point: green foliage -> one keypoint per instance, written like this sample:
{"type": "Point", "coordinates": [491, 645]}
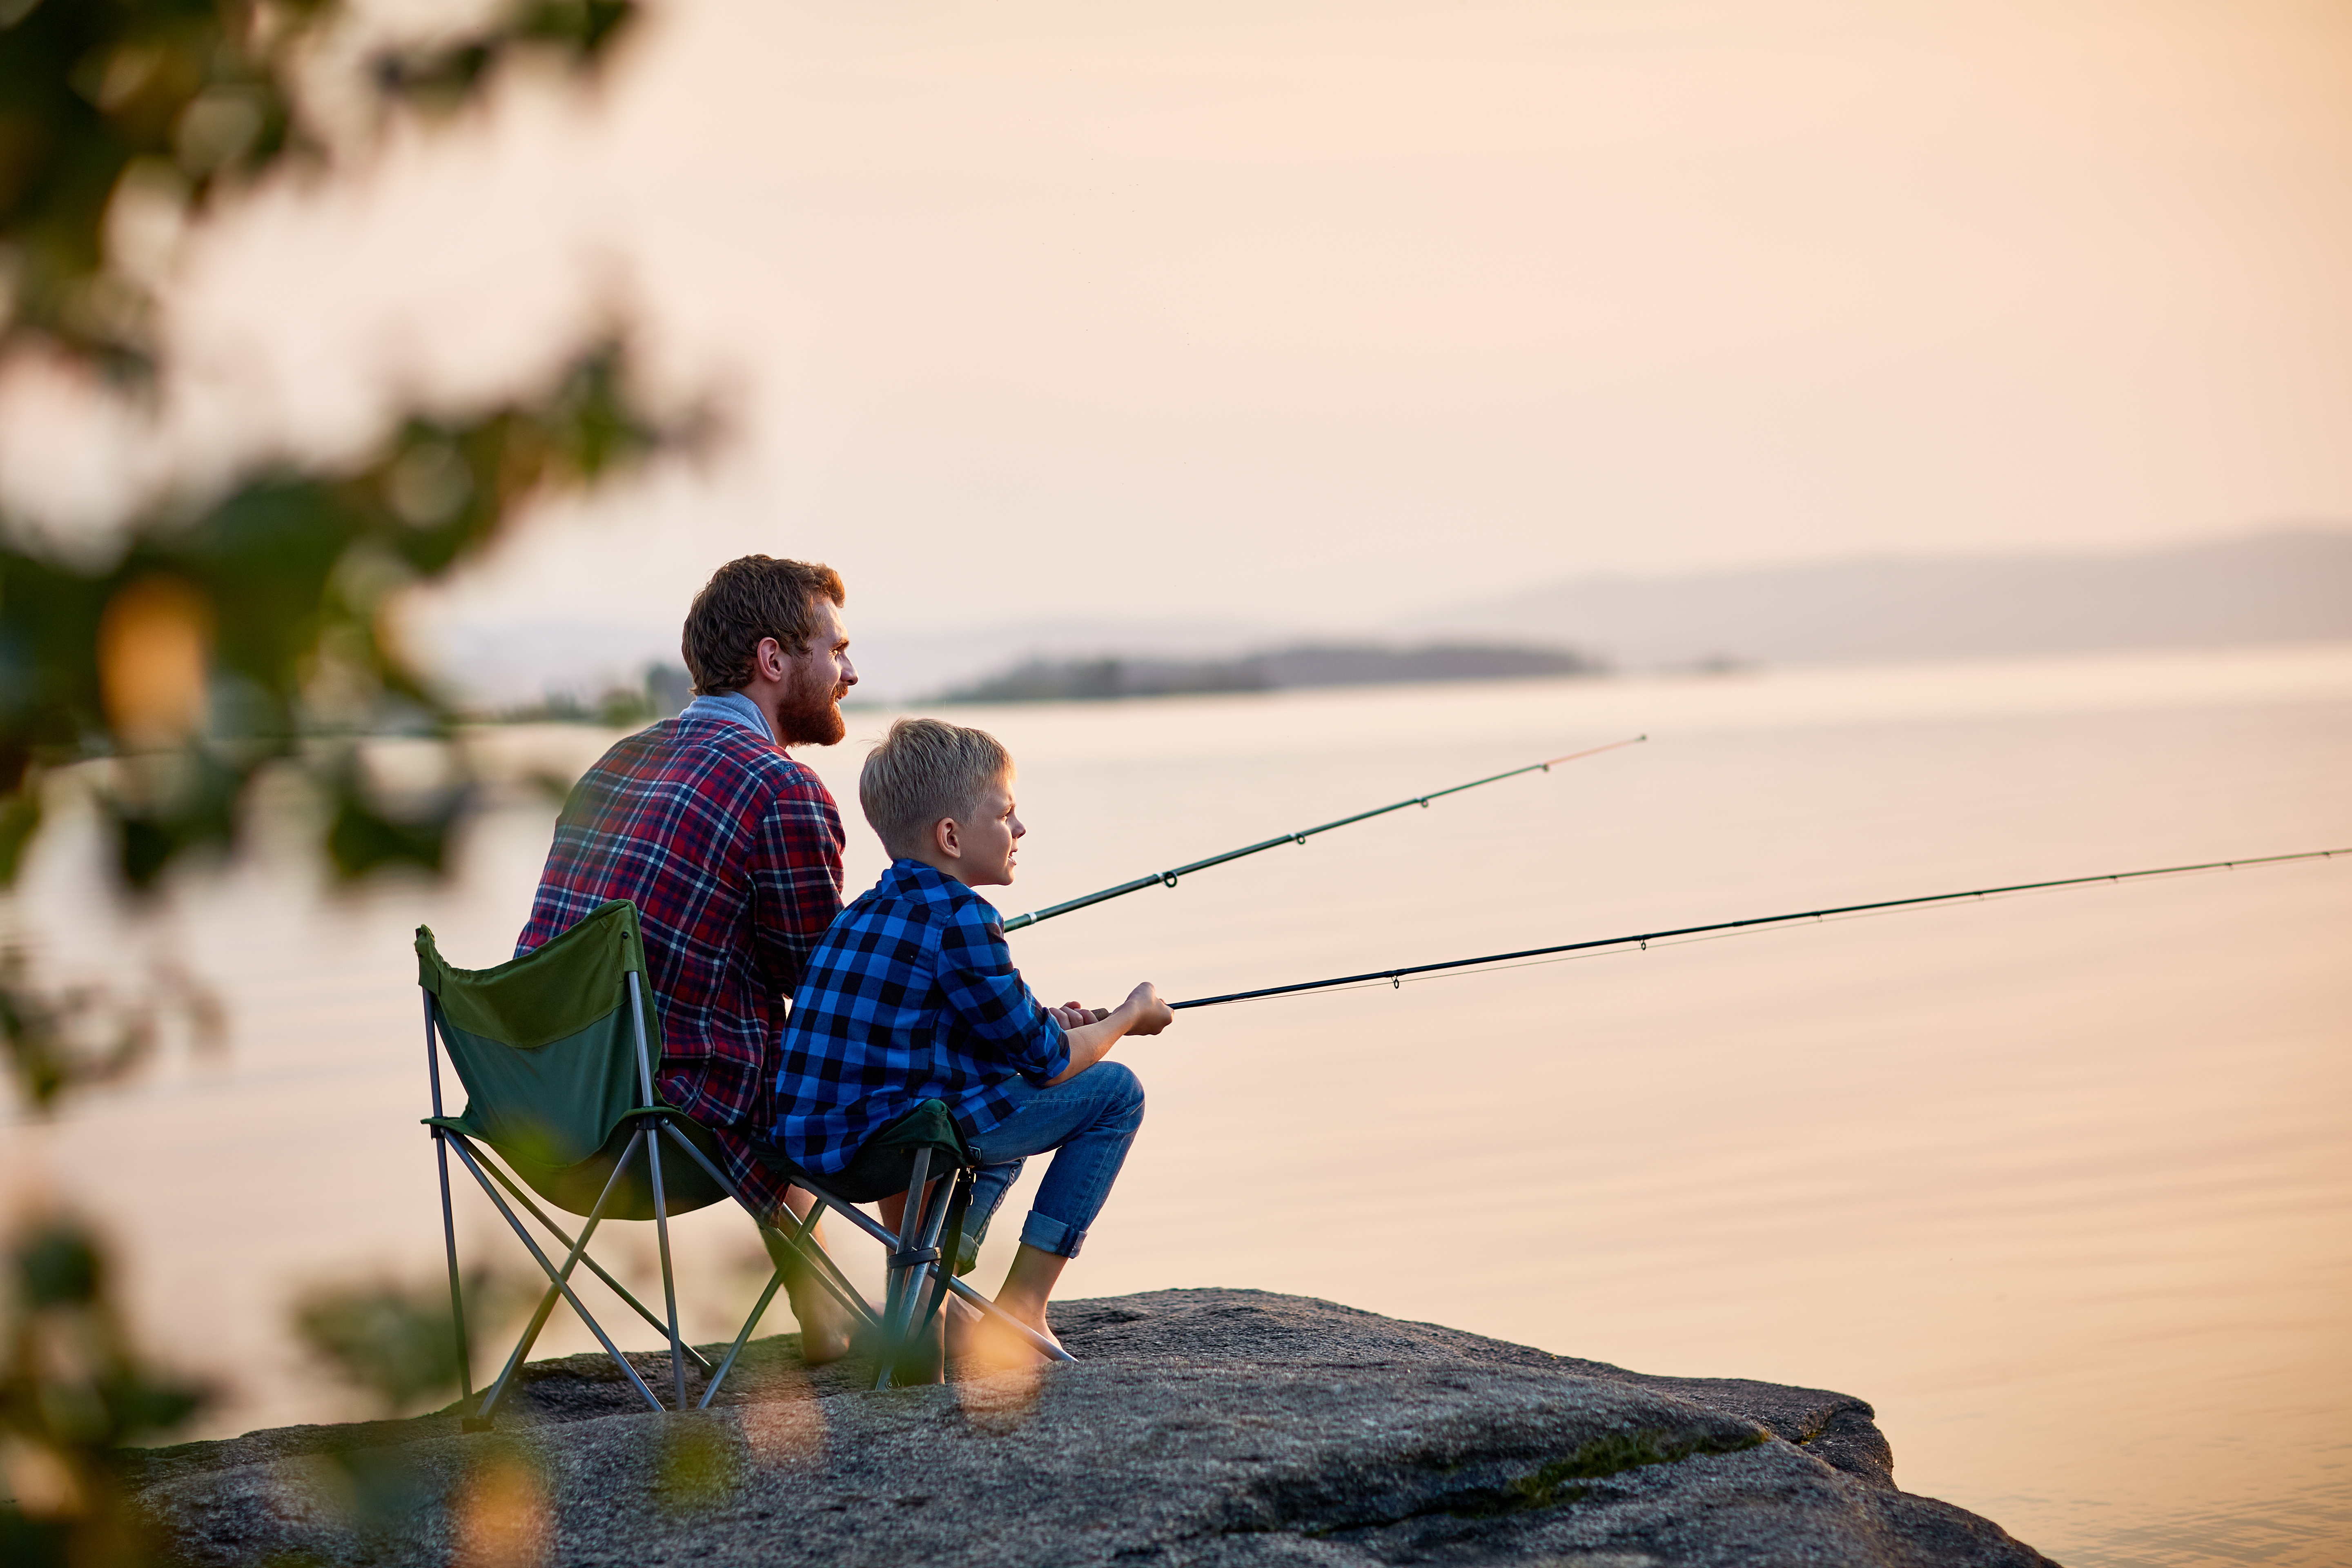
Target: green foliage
{"type": "Point", "coordinates": [228, 637]}
{"type": "Point", "coordinates": [442, 78]}
{"type": "Point", "coordinates": [395, 1341]}
{"type": "Point", "coordinates": [63, 1040]}
{"type": "Point", "coordinates": [1607, 1455]}
{"type": "Point", "coordinates": [697, 1463]}
{"type": "Point", "coordinates": [171, 101]}
{"type": "Point", "coordinates": [281, 590]}
{"type": "Point", "coordinates": [71, 1389]}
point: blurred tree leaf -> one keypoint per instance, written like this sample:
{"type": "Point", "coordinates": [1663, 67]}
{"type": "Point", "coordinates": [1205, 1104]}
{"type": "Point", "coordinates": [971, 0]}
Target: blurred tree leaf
{"type": "Point", "coordinates": [71, 1390]}
{"type": "Point", "coordinates": [232, 637]}
{"type": "Point", "coordinates": [105, 104]}
{"type": "Point", "coordinates": [259, 630]}
{"type": "Point", "coordinates": [394, 1341]}
{"type": "Point", "coordinates": [60, 1041]}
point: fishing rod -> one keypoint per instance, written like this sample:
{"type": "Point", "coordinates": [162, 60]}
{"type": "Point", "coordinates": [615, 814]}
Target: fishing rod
{"type": "Point", "coordinates": [1644, 938]}
{"type": "Point", "coordinates": [1168, 878]}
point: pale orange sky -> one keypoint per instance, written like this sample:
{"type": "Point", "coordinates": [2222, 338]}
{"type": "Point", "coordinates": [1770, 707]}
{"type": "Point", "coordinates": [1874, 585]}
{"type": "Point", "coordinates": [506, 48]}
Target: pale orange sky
{"type": "Point", "coordinates": [1314, 312]}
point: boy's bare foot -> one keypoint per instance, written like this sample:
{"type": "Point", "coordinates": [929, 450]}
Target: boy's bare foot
{"type": "Point", "coordinates": [1028, 1285]}
{"type": "Point", "coordinates": [980, 1343]}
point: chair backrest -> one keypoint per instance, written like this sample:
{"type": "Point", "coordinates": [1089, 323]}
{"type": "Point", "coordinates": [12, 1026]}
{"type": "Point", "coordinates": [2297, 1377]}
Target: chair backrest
{"type": "Point", "coordinates": [546, 1045]}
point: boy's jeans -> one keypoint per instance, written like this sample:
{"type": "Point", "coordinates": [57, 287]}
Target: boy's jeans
{"type": "Point", "coordinates": [1087, 1121]}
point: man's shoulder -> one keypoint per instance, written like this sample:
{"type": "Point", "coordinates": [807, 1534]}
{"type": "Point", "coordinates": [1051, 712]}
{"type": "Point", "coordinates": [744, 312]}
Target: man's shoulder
{"type": "Point", "coordinates": [713, 754]}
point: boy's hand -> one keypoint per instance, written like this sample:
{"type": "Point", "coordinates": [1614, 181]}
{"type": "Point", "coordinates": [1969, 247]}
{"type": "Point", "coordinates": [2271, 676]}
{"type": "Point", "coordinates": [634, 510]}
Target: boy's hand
{"type": "Point", "coordinates": [1092, 1032]}
{"type": "Point", "coordinates": [1152, 1015]}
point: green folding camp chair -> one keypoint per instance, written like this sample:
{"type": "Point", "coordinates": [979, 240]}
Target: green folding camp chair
{"type": "Point", "coordinates": [556, 1051]}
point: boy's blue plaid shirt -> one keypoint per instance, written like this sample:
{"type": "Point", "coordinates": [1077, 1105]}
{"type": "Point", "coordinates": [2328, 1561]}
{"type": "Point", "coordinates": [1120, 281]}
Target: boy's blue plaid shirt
{"type": "Point", "coordinates": [911, 996]}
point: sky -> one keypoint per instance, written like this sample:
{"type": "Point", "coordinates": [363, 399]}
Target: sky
{"type": "Point", "coordinates": [1318, 313]}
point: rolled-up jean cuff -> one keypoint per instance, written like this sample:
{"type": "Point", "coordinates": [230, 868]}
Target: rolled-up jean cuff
{"type": "Point", "coordinates": [1048, 1235]}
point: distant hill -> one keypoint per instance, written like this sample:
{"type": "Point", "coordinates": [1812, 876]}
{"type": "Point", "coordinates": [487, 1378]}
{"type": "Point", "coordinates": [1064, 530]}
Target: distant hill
{"type": "Point", "coordinates": [1306, 664]}
{"type": "Point", "coordinates": [2288, 585]}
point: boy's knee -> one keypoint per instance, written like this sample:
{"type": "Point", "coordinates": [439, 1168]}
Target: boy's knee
{"type": "Point", "coordinates": [1122, 1091]}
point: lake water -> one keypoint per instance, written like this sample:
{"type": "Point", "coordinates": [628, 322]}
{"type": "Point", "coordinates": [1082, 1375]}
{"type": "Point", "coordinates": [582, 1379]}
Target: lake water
{"type": "Point", "coordinates": [2061, 1183]}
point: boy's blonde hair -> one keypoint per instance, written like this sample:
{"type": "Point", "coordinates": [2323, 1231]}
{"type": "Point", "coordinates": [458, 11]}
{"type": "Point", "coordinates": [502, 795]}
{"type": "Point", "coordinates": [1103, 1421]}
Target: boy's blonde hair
{"type": "Point", "coordinates": [923, 771]}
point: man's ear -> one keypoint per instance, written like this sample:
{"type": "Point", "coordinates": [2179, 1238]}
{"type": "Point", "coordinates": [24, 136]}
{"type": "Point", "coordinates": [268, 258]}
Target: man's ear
{"type": "Point", "coordinates": [769, 658]}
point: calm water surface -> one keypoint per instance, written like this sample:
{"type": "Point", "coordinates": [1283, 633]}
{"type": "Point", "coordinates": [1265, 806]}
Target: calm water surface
{"type": "Point", "coordinates": [2060, 1182]}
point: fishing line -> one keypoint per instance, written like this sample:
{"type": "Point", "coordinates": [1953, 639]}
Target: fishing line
{"type": "Point", "coordinates": [1677, 936]}
{"type": "Point", "coordinates": [1168, 878]}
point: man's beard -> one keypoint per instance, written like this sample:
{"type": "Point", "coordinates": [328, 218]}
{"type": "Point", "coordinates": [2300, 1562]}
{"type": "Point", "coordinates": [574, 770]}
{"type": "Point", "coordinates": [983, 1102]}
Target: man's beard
{"type": "Point", "coordinates": [811, 717]}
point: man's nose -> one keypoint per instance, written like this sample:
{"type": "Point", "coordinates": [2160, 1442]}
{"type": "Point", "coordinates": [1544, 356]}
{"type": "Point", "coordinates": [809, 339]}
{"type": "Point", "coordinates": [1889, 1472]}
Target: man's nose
{"type": "Point", "coordinates": [849, 671]}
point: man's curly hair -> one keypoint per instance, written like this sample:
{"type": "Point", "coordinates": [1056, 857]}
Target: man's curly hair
{"type": "Point", "coordinates": [751, 598]}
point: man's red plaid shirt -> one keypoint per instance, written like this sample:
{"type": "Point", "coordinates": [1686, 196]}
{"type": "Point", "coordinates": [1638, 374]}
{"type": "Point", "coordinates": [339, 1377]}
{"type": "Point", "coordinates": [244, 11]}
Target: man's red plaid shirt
{"type": "Point", "coordinates": [731, 852]}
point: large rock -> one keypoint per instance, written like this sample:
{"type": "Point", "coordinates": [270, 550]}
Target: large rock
{"type": "Point", "coordinates": [1211, 1428]}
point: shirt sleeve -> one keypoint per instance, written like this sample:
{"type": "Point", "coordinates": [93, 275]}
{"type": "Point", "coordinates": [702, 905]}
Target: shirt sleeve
{"type": "Point", "coordinates": [992, 1004]}
{"type": "Point", "coordinates": [795, 880]}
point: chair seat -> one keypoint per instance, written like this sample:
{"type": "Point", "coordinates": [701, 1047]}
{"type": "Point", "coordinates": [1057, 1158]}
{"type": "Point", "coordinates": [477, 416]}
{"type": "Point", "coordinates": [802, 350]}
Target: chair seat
{"type": "Point", "coordinates": [575, 1188]}
{"type": "Point", "coordinates": [885, 1163]}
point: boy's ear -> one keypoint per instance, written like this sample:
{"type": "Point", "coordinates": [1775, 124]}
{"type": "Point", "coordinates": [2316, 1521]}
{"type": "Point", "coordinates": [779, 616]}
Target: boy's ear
{"type": "Point", "coordinates": [945, 838]}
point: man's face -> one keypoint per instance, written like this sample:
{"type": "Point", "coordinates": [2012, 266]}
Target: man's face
{"type": "Point", "coordinates": [816, 680]}
{"type": "Point", "coordinates": [988, 842]}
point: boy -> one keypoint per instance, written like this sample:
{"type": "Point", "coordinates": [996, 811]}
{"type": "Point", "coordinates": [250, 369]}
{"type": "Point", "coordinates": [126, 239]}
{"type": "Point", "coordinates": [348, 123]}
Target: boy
{"type": "Point", "coordinates": [912, 996]}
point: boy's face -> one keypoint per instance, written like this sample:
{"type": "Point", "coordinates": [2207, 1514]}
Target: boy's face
{"type": "Point", "coordinates": [981, 853]}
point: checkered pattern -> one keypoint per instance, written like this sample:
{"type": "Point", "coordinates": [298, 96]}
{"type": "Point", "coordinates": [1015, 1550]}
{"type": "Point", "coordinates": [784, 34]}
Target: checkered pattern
{"type": "Point", "coordinates": [911, 996]}
{"type": "Point", "coordinates": [731, 852]}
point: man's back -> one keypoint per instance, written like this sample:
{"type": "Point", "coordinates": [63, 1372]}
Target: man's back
{"type": "Point", "coordinates": [731, 852]}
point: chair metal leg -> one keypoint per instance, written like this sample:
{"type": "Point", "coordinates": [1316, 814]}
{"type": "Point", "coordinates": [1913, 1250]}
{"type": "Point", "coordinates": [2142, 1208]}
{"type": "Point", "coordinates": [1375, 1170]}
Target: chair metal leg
{"type": "Point", "coordinates": [661, 1207]}
{"type": "Point", "coordinates": [946, 1238]}
{"type": "Point", "coordinates": [882, 1233]}
{"type": "Point", "coordinates": [669, 1285]}
{"type": "Point", "coordinates": [547, 1267]}
{"type": "Point", "coordinates": [483, 1412]}
{"type": "Point", "coordinates": [828, 1273]}
{"type": "Point", "coordinates": [873, 1227]}
{"type": "Point", "coordinates": [727, 1362]}
{"type": "Point", "coordinates": [457, 1288]}
{"type": "Point", "coordinates": [898, 1309]}
{"type": "Point", "coordinates": [565, 1238]}
{"type": "Point", "coordinates": [449, 1219]}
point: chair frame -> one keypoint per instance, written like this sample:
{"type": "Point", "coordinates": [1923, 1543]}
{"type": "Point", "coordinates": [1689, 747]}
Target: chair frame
{"type": "Point", "coordinates": [915, 1255]}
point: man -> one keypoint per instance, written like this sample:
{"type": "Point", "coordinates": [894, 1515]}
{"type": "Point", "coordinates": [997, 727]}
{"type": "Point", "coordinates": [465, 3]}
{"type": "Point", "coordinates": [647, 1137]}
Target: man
{"type": "Point", "coordinates": [731, 852]}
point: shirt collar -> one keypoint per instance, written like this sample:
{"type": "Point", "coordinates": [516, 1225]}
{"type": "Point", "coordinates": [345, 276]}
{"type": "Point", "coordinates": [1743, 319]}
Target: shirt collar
{"type": "Point", "coordinates": [733, 707]}
{"type": "Point", "coordinates": [908, 875]}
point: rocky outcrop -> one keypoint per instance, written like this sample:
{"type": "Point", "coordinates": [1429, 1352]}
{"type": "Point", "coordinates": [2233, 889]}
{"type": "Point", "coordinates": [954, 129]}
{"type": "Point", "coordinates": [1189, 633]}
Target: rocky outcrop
{"type": "Point", "coordinates": [1200, 1428]}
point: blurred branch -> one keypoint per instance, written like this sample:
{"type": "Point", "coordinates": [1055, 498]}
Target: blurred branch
{"type": "Point", "coordinates": [259, 632]}
{"type": "Point", "coordinates": [234, 637]}
{"type": "Point", "coordinates": [442, 77]}
{"type": "Point", "coordinates": [71, 1390]}
{"type": "Point", "coordinates": [135, 114]}
{"type": "Point", "coordinates": [83, 1035]}
{"type": "Point", "coordinates": [394, 1341]}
